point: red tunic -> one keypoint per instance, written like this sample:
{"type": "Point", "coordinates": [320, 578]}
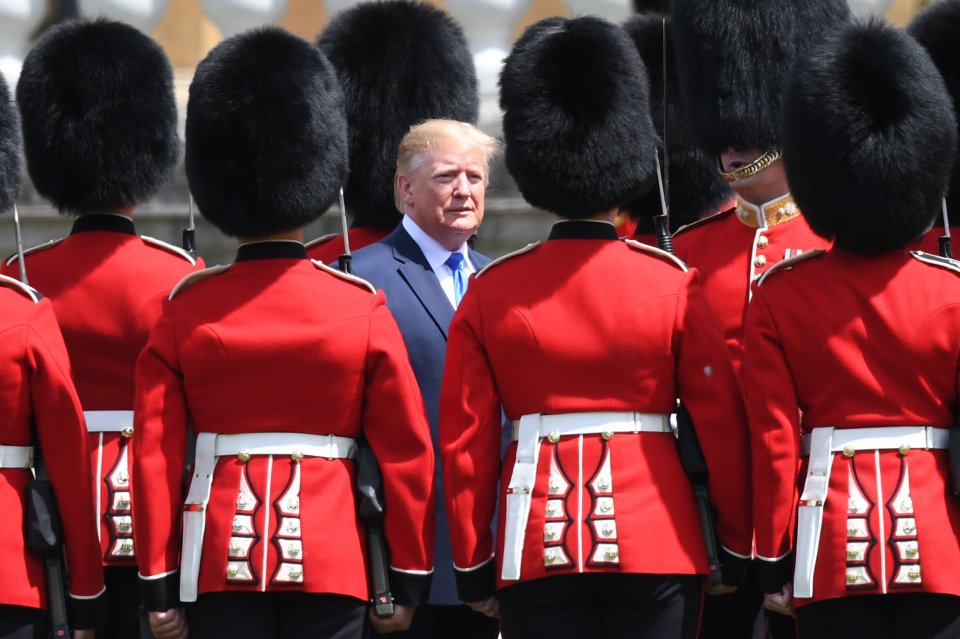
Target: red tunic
{"type": "Point", "coordinates": [106, 284]}
{"type": "Point", "coordinates": [732, 250]}
{"type": "Point", "coordinates": [543, 332]}
{"type": "Point", "coordinates": [329, 247]}
{"type": "Point", "coordinates": [850, 342]}
{"type": "Point", "coordinates": [37, 388]}
{"type": "Point", "coordinates": [276, 343]}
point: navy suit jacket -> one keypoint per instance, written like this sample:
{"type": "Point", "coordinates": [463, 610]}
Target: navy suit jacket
{"type": "Point", "coordinates": [423, 312]}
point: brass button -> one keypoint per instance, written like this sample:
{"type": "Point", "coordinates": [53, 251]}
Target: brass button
{"type": "Point", "coordinates": [553, 437]}
{"type": "Point", "coordinates": [235, 549]}
{"type": "Point", "coordinates": [232, 573]}
{"type": "Point", "coordinates": [762, 241]}
{"type": "Point", "coordinates": [760, 260]}
{"type": "Point", "coordinates": [914, 574]}
{"type": "Point", "coordinates": [848, 451]}
{"type": "Point", "coordinates": [296, 456]}
{"type": "Point", "coordinates": [296, 575]}
{"type": "Point", "coordinates": [853, 507]}
{"type": "Point", "coordinates": [606, 507]}
{"type": "Point", "coordinates": [852, 554]}
{"type": "Point", "coordinates": [122, 478]}
{"type": "Point", "coordinates": [123, 503]}
{"type": "Point", "coordinates": [126, 546]}
{"type": "Point", "coordinates": [549, 535]}
{"type": "Point", "coordinates": [852, 578]}
{"type": "Point", "coordinates": [906, 504]}
{"type": "Point", "coordinates": [293, 526]}
{"type": "Point", "coordinates": [237, 526]}
{"type": "Point", "coordinates": [607, 530]}
{"type": "Point", "coordinates": [904, 449]}
{"type": "Point", "coordinates": [124, 526]}
{"type": "Point", "coordinates": [293, 503]}
{"type": "Point", "coordinates": [551, 557]}
{"type": "Point", "coordinates": [611, 555]}
{"type": "Point", "coordinates": [294, 552]}
{"type": "Point", "coordinates": [126, 433]}
{"type": "Point", "coordinates": [607, 435]}
{"type": "Point", "coordinates": [551, 510]}
{"type": "Point", "coordinates": [603, 483]}
{"type": "Point", "coordinates": [909, 529]}
{"type": "Point", "coordinates": [852, 530]}
{"type": "Point", "coordinates": [554, 487]}
{"type": "Point", "coordinates": [243, 456]}
{"type": "Point", "coordinates": [241, 502]}
{"type": "Point", "coordinates": [912, 552]}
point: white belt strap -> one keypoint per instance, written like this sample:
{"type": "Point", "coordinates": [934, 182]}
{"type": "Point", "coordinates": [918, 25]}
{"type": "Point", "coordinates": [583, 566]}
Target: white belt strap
{"type": "Point", "coordinates": [528, 433]}
{"type": "Point", "coordinates": [16, 457]}
{"type": "Point", "coordinates": [108, 421]}
{"type": "Point", "coordinates": [810, 511]}
{"type": "Point", "coordinates": [209, 447]}
{"type": "Point", "coordinates": [884, 438]}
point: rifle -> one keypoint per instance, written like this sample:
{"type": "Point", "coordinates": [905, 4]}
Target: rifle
{"type": "Point", "coordinates": [43, 532]}
{"type": "Point", "coordinates": [692, 461]}
{"type": "Point", "coordinates": [370, 488]}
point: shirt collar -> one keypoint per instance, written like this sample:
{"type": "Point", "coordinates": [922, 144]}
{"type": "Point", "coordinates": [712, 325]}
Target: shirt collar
{"type": "Point", "coordinates": [271, 250]}
{"type": "Point", "coordinates": [782, 209]}
{"type": "Point", "coordinates": [103, 222]}
{"type": "Point", "coordinates": [435, 253]}
{"type": "Point", "coordinates": [583, 230]}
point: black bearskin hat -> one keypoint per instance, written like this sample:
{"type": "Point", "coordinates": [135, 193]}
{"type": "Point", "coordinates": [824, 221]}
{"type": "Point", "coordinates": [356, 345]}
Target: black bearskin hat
{"type": "Point", "coordinates": [937, 28]}
{"type": "Point", "coordinates": [99, 115]}
{"type": "Point", "coordinates": [733, 58]}
{"type": "Point", "coordinates": [577, 117]}
{"type": "Point", "coordinates": [869, 138]}
{"type": "Point", "coordinates": [658, 6]}
{"type": "Point", "coordinates": [695, 186]}
{"type": "Point", "coordinates": [9, 150]}
{"type": "Point", "coordinates": [266, 134]}
{"type": "Point", "coordinates": [399, 63]}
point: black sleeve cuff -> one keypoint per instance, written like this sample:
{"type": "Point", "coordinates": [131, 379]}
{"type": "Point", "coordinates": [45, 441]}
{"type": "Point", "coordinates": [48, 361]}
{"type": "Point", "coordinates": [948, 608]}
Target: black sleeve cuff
{"type": "Point", "coordinates": [86, 613]}
{"type": "Point", "coordinates": [477, 584]}
{"type": "Point", "coordinates": [409, 589]}
{"type": "Point", "coordinates": [161, 593]}
{"type": "Point", "coordinates": [733, 567]}
{"type": "Point", "coordinates": [771, 575]}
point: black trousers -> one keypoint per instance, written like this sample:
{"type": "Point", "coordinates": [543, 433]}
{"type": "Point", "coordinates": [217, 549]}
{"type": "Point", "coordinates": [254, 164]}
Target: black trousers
{"type": "Point", "coordinates": [276, 615]}
{"type": "Point", "coordinates": [891, 616]}
{"type": "Point", "coordinates": [124, 618]}
{"type": "Point", "coordinates": [603, 606]}
{"type": "Point", "coordinates": [440, 622]}
{"type": "Point", "coordinates": [19, 622]}
{"type": "Point", "coordinates": [735, 616]}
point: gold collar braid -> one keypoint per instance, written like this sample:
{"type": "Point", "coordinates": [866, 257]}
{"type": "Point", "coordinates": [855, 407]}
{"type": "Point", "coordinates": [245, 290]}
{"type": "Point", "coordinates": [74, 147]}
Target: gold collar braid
{"type": "Point", "coordinates": [753, 168]}
{"type": "Point", "coordinates": [783, 209]}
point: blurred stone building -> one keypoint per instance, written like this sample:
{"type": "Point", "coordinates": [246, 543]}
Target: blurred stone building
{"type": "Point", "coordinates": [188, 29]}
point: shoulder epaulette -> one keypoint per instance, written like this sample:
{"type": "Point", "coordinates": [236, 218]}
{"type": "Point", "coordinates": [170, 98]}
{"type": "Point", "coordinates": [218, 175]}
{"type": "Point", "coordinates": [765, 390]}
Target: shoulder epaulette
{"type": "Point", "coordinates": [789, 263]}
{"type": "Point", "coordinates": [353, 279]}
{"type": "Point", "coordinates": [34, 249]}
{"type": "Point", "coordinates": [17, 285]}
{"type": "Point", "coordinates": [937, 260]}
{"type": "Point", "coordinates": [169, 248]}
{"type": "Point", "coordinates": [702, 221]}
{"type": "Point", "coordinates": [323, 239]}
{"type": "Point", "coordinates": [197, 276]}
{"type": "Point", "coordinates": [654, 251]}
{"type": "Point", "coordinates": [504, 258]}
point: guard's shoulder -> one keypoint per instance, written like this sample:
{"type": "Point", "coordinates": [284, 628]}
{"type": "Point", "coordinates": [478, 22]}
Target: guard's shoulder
{"type": "Point", "coordinates": [323, 239]}
{"type": "Point", "coordinates": [197, 276]}
{"type": "Point", "coordinates": [17, 285]}
{"type": "Point", "coordinates": [790, 263]}
{"type": "Point", "coordinates": [704, 221]}
{"type": "Point", "coordinates": [936, 260]}
{"type": "Point", "coordinates": [501, 260]}
{"type": "Point", "coordinates": [658, 253]}
{"type": "Point", "coordinates": [353, 279]}
{"type": "Point", "coordinates": [34, 249]}
{"type": "Point", "coordinates": [169, 248]}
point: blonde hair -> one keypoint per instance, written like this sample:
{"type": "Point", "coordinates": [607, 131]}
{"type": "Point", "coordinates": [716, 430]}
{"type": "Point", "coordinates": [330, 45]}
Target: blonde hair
{"type": "Point", "coordinates": [423, 138]}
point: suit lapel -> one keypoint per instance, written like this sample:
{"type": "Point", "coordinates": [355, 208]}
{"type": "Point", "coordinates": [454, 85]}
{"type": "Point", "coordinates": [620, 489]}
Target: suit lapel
{"type": "Point", "coordinates": [416, 272]}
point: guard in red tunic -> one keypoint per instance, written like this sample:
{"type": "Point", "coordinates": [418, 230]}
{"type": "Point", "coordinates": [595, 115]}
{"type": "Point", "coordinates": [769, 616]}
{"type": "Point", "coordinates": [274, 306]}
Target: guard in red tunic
{"type": "Point", "coordinates": [586, 342]}
{"type": "Point", "coordinates": [39, 408]}
{"type": "Point", "coordinates": [693, 188]}
{"type": "Point", "coordinates": [100, 135]}
{"type": "Point", "coordinates": [399, 63]}
{"type": "Point", "coordinates": [732, 58]}
{"type": "Point", "coordinates": [851, 354]}
{"type": "Point", "coordinates": [277, 364]}
{"type": "Point", "coordinates": [936, 28]}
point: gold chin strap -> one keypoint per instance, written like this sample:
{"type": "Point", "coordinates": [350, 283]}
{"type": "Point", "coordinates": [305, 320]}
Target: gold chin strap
{"type": "Point", "coordinates": [753, 168]}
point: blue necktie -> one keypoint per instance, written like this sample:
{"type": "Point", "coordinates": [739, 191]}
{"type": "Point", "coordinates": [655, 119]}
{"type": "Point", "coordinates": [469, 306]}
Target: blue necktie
{"type": "Point", "coordinates": [457, 265]}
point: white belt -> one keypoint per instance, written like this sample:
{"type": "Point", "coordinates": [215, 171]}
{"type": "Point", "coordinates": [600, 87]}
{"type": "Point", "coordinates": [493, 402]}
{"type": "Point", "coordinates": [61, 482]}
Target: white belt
{"type": "Point", "coordinates": [820, 445]}
{"type": "Point", "coordinates": [209, 447]}
{"type": "Point", "coordinates": [528, 432]}
{"type": "Point", "coordinates": [108, 421]}
{"type": "Point", "coordinates": [16, 457]}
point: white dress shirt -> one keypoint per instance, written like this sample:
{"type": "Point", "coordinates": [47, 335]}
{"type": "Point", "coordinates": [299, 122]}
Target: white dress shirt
{"type": "Point", "coordinates": [437, 256]}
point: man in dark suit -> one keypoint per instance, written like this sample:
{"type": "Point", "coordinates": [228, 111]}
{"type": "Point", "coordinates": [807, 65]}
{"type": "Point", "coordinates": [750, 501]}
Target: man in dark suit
{"type": "Point", "coordinates": [423, 267]}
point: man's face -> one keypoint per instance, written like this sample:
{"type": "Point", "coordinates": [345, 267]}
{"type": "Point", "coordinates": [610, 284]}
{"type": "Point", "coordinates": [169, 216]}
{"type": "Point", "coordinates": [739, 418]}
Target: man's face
{"type": "Point", "coordinates": [444, 192]}
{"type": "Point", "coordinates": [761, 187]}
